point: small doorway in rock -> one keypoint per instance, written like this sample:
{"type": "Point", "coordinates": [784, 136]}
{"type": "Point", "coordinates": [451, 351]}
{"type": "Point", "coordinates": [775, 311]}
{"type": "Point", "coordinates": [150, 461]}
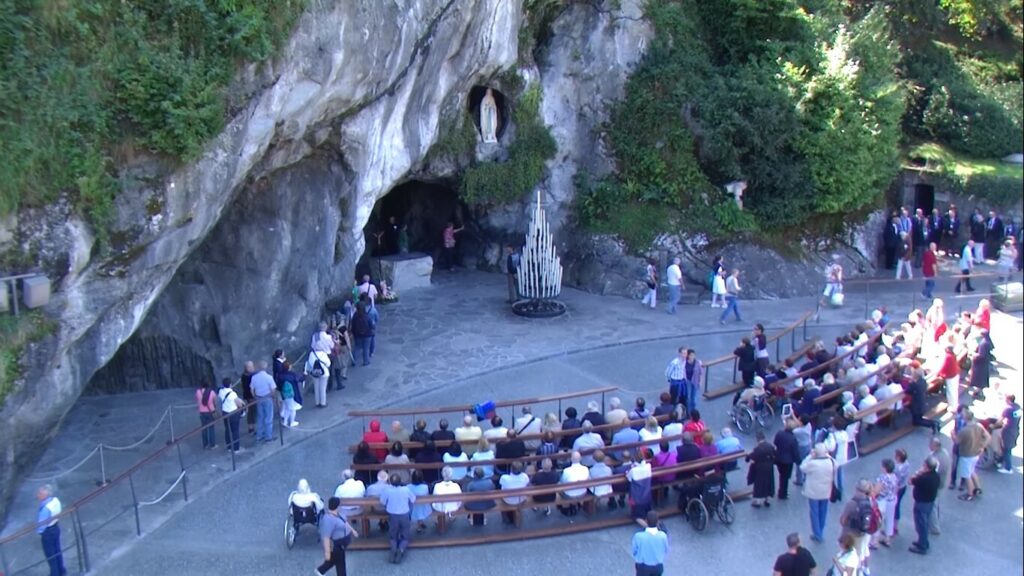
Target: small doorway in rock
{"type": "Point", "coordinates": [412, 217]}
{"type": "Point", "coordinates": [924, 197]}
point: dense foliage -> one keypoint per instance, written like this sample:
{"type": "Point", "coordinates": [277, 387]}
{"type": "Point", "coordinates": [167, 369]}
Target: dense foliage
{"type": "Point", "coordinates": [808, 101]}
{"type": "Point", "coordinates": [82, 79]}
{"type": "Point", "coordinates": [803, 106]}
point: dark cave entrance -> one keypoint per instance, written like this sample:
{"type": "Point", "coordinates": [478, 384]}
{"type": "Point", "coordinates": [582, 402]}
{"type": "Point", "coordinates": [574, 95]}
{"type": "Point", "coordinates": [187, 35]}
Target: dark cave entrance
{"type": "Point", "coordinates": [423, 209]}
{"type": "Point", "coordinates": [147, 363]}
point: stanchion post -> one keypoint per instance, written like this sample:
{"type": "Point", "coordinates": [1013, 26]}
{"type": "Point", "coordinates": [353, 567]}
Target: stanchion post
{"type": "Point", "coordinates": [184, 485]}
{"type": "Point", "coordinates": [84, 553]}
{"type": "Point", "coordinates": [280, 424]}
{"type": "Point", "coordinates": [103, 468]}
{"type": "Point", "coordinates": [170, 420]}
{"type": "Point", "coordinates": [735, 367]}
{"type": "Point", "coordinates": [707, 371]}
{"type": "Point", "coordinates": [135, 504]}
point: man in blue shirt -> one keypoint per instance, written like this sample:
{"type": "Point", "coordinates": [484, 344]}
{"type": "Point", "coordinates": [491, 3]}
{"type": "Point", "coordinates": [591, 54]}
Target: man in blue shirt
{"type": "Point", "coordinates": [397, 500]}
{"type": "Point", "coordinates": [263, 387]}
{"type": "Point", "coordinates": [650, 546]}
{"type": "Point", "coordinates": [49, 529]}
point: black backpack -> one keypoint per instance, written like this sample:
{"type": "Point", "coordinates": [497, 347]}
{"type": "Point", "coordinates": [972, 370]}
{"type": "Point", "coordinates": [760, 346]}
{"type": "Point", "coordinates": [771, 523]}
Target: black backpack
{"type": "Point", "coordinates": [318, 369]}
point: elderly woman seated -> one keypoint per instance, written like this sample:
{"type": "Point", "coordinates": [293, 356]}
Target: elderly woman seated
{"type": "Point", "coordinates": [445, 487]}
{"type": "Point", "coordinates": [305, 504]}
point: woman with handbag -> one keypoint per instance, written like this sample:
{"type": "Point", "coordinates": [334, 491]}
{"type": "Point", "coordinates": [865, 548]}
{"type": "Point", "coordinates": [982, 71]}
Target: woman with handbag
{"type": "Point", "coordinates": [846, 562]}
{"type": "Point", "coordinates": [819, 471]}
{"type": "Point", "coordinates": [651, 280]}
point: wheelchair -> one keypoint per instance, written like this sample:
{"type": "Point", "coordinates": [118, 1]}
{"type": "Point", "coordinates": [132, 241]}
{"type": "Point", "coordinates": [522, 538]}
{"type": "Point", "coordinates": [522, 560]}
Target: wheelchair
{"type": "Point", "coordinates": [745, 414]}
{"type": "Point", "coordinates": [297, 516]}
{"type": "Point", "coordinates": [708, 497]}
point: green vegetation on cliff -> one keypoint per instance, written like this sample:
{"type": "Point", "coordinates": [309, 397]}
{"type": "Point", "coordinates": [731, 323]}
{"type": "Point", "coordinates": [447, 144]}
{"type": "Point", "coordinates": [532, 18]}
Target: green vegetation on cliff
{"type": "Point", "coordinates": [82, 81]}
{"type": "Point", "coordinates": [808, 101]}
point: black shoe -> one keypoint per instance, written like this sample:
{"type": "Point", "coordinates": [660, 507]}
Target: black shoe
{"type": "Point", "coordinates": [916, 550]}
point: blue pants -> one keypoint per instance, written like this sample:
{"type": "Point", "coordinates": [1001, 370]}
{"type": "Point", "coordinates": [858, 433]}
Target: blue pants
{"type": "Point", "coordinates": [264, 418]}
{"type": "Point", "coordinates": [209, 434]}
{"type": "Point", "coordinates": [677, 390]}
{"type": "Point", "coordinates": [231, 425]}
{"type": "Point", "coordinates": [691, 394]}
{"type": "Point", "coordinates": [373, 344]}
{"type": "Point", "coordinates": [1007, 459]}
{"type": "Point", "coordinates": [673, 297]}
{"type": "Point", "coordinates": [819, 516]}
{"type": "Point", "coordinates": [363, 346]}
{"type": "Point", "coordinates": [51, 548]}
{"type": "Point", "coordinates": [922, 517]}
{"type": "Point", "coordinates": [731, 304]}
{"type": "Point", "coordinates": [929, 287]}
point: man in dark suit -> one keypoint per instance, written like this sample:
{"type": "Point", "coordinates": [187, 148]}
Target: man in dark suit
{"type": "Point", "coordinates": [890, 241]}
{"type": "Point", "coordinates": [919, 234]}
{"type": "Point", "coordinates": [951, 233]}
{"type": "Point", "coordinates": [994, 234]}
{"type": "Point", "coordinates": [977, 226]}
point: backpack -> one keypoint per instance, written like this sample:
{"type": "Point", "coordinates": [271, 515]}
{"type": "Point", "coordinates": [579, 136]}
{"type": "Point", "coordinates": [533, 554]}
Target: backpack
{"type": "Point", "coordinates": [866, 518]}
{"type": "Point", "coordinates": [317, 370]}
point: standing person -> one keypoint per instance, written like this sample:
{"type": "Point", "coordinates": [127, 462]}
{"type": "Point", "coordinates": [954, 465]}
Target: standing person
{"type": "Point", "coordinates": [890, 241]}
{"type": "Point", "coordinates": [362, 330]}
{"type": "Point", "coordinates": [693, 375]}
{"type": "Point", "coordinates": [650, 547]}
{"type": "Point", "coordinates": [651, 282]}
{"type": "Point", "coordinates": [787, 453]}
{"type": "Point", "coordinates": [929, 266]}
{"type": "Point", "coordinates": [886, 488]}
{"type": "Point", "coordinates": [289, 405]}
{"type": "Point", "coordinates": [942, 457]}
{"type": "Point", "coordinates": [994, 234]}
{"type": "Point", "coordinates": [397, 500]}
{"type": "Point", "coordinates": [919, 236]}
{"type": "Point", "coordinates": [761, 356]}
{"type": "Point", "coordinates": [342, 355]}
{"type": "Point", "coordinates": [761, 472]}
{"type": "Point", "coordinates": [902, 472]}
{"type": "Point", "coordinates": [1009, 431]}
{"type": "Point", "coordinates": [966, 266]}
{"type": "Point", "coordinates": [675, 373]}
{"type": "Point", "coordinates": [855, 520]}
{"type": "Point", "coordinates": [926, 485]}
{"type": "Point", "coordinates": [747, 364]}
{"type": "Point", "coordinates": [205, 399]}
{"type": "Point", "coordinates": [833, 282]}
{"type": "Point", "coordinates": [951, 231]}
{"type": "Point", "coordinates": [1007, 260]}
{"type": "Point", "coordinates": [245, 380]}
{"type": "Point", "coordinates": [949, 374]}
{"type": "Point", "coordinates": [819, 476]}
{"type": "Point", "coordinates": [512, 260]}
{"type": "Point", "coordinates": [977, 227]}
{"type": "Point", "coordinates": [906, 256]}
{"type": "Point", "coordinates": [263, 387]}
{"type": "Point", "coordinates": [837, 442]}
{"type": "Point", "coordinates": [367, 287]}
{"type": "Point", "coordinates": [796, 561]}
{"type": "Point", "coordinates": [718, 289]}
{"type": "Point", "coordinates": [335, 535]}
{"type": "Point", "coordinates": [847, 562]}
{"type": "Point", "coordinates": [971, 442]}
{"type": "Point", "coordinates": [448, 245]}
{"type": "Point", "coordinates": [674, 278]}
{"type": "Point", "coordinates": [732, 294]}
{"type": "Point", "coordinates": [231, 406]}
{"type": "Point", "coordinates": [318, 366]}
{"type": "Point", "coordinates": [49, 529]}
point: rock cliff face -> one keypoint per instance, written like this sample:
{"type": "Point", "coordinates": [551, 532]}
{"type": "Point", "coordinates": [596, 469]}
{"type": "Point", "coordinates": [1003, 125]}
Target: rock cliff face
{"type": "Point", "coordinates": [351, 104]}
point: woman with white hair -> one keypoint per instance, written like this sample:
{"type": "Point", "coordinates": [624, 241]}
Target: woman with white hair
{"type": "Point", "coordinates": [305, 505]}
{"type": "Point", "coordinates": [819, 470]}
{"type": "Point", "coordinates": [444, 487]}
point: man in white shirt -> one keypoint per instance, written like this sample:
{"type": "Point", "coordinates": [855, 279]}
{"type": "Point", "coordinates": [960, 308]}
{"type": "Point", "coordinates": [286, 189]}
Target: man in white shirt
{"type": "Point", "coordinates": [615, 413]}
{"type": "Point", "coordinates": [350, 487]}
{"type": "Point", "coordinates": [369, 289]}
{"type": "Point", "coordinates": [322, 341]}
{"type": "Point", "coordinates": [528, 424]}
{"type": "Point", "coordinates": [446, 486]}
{"type": "Point", "coordinates": [588, 440]}
{"type": "Point", "coordinates": [514, 480]}
{"type": "Point", "coordinates": [576, 472]}
{"type": "Point", "coordinates": [497, 431]}
{"type": "Point", "coordinates": [674, 278]}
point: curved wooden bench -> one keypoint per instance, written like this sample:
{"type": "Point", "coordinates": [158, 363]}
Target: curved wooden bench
{"type": "Point", "coordinates": [370, 513]}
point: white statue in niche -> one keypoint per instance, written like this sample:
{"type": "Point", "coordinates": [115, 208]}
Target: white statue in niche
{"type": "Point", "coordinates": [736, 189]}
{"type": "Point", "coordinates": [489, 118]}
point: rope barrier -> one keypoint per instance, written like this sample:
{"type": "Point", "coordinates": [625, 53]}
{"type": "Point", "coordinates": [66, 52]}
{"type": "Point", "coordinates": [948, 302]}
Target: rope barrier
{"type": "Point", "coordinates": [164, 495]}
{"type": "Point", "coordinates": [65, 472]}
{"type": "Point", "coordinates": [144, 438]}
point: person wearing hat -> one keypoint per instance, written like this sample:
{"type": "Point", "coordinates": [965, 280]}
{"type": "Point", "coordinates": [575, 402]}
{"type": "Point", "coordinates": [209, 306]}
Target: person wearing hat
{"type": "Point", "coordinates": [819, 471]}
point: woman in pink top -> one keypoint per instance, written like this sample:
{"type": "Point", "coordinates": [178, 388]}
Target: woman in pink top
{"type": "Point", "coordinates": [663, 459]}
{"type": "Point", "coordinates": [206, 400]}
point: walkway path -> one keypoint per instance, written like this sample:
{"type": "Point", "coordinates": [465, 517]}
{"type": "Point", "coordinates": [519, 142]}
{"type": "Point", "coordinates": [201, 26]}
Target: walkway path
{"type": "Point", "coordinates": [455, 342]}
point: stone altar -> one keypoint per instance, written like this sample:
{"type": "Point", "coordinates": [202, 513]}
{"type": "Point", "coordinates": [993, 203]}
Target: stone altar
{"type": "Point", "coordinates": [404, 271]}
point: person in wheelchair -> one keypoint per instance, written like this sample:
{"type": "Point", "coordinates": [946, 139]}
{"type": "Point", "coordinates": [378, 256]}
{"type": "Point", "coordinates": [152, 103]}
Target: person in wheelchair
{"type": "Point", "coordinates": [306, 505]}
{"type": "Point", "coordinates": [755, 395]}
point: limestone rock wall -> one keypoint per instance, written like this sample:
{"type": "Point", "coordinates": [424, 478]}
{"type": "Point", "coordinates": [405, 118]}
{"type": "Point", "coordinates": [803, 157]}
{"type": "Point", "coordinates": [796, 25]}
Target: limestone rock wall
{"type": "Point", "coordinates": [358, 90]}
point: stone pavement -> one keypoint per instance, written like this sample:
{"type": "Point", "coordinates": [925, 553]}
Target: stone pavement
{"type": "Point", "coordinates": [453, 343]}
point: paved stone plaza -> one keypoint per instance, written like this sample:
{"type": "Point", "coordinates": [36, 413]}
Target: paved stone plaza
{"type": "Point", "coordinates": [457, 343]}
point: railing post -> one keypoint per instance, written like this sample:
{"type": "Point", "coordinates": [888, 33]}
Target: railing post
{"type": "Point", "coordinates": [805, 330]}
{"type": "Point", "coordinates": [184, 485]}
{"type": "Point", "coordinates": [231, 441]}
{"type": "Point", "coordinates": [707, 371]}
{"type": "Point", "coordinates": [103, 468]}
{"type": "Point", "coordinates": [280, 424]}
{"type": "Point", "coordinates": [135, 504]}
{"type": "Point", "coordinates": [778, 353]}
{"type": "Point", "coordinates": [735, 368]}
{"type": "Point", "coordinates": [84, 557]}
{"type": "Point", "coordinates": [170, 420]}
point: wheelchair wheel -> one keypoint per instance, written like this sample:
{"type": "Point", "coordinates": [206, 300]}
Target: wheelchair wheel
{"type": "Point", "coordinates": [726, 510]}
{"type": "Point", "coordinates": [289, 531]}
{"type": "Point", "coordinates": [743, 418]}
{"type": "Point", "coordinates": [697, 514]}
{"type": "Point", "coordinates": [766, 417]}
